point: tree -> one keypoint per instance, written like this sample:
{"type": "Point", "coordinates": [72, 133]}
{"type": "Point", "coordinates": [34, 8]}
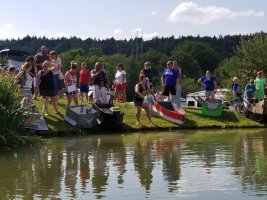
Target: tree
{"type": "Point", "coordinates": [250, 55]}
{"type": "Point", "coordinates": [195, 57]}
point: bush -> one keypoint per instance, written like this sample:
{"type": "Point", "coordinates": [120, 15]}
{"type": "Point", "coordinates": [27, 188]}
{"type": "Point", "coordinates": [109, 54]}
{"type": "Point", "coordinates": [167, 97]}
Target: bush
{"type": "Point", "coordinates": [11, 113]}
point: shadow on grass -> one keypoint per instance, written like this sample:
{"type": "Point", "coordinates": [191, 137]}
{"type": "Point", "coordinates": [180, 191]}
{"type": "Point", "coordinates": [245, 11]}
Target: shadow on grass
{"type": "Point", "coordinates": [227, 116]}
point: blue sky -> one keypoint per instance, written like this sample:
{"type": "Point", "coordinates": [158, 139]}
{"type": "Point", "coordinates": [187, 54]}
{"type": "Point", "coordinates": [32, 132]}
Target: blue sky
{"type": "Point", "coordinates": [125, 19]}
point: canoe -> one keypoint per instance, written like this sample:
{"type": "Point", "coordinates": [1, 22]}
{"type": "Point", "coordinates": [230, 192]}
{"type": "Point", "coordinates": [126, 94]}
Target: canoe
{"type": "Point", "coordinates": [112, 117]}
{"type": "Point", "coordinates": [169, 111]}
{"type": "Point", "coordinates": [212, 107]}
{"type": "Point", "coordinates": [255, 109]}
{"type": "Point", "coordinates": [82, 116]}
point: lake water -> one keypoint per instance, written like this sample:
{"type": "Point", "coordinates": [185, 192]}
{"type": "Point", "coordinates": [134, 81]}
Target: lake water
{"type": "Point", "coordinates": [211, 164]}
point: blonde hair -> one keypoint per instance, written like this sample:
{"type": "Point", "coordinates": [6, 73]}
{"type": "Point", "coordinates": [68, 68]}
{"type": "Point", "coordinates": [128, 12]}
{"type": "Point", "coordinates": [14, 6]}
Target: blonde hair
{"type": "Point", "coordinates": [235, 79]}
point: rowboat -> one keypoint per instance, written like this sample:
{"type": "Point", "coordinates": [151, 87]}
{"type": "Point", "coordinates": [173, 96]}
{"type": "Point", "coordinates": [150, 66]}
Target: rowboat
{"type": "Point", "coordinates": [112, 117]}
{"type": "Point", "coordinates": [212, 107]}
{"type": "Point", "coordinates": [82, 116]}
{"type": "Point", "coordinates": [169, 111]}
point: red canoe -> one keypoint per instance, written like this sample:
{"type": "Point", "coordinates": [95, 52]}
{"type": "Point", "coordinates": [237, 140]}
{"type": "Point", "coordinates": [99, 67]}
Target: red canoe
{"type": "Point", "coordinates": [169, 111]}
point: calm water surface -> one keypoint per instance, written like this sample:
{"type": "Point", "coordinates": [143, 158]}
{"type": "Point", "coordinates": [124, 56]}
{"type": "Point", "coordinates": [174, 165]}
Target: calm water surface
{"type": "Point", "coordinates": [160, 165]}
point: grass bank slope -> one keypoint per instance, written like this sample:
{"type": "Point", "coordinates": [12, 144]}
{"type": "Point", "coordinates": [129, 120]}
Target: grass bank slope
{"type": "Point", "coordinates": [194, 120]}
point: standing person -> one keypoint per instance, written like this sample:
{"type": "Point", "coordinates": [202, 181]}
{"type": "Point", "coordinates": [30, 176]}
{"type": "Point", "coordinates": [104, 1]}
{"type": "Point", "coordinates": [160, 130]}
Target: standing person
{"type": "Point", "coordinates": [210, 85]}
{"type": "Point", "coordinates": [45, 81]}
{"type": "Point", "coordinates": [33, 74]}
{"type": "Point", "coordinates": [140, 91]}
{"type": "Point", "coordinates": [260, 85]}
{"type": "Point", "coordinates": [25, 80]}
{"type": "Point", "coordinates": [177, 97]}
{"type": "Point", "coordinates": [120, 84]}
{"type": "Point", "coordinates": [237, 95]}
{"type": "Point", "coordinates": [147, 72]}
{"type": "Point", "coordinates": [71, 84]}
{"type": "Point", "coordinates": [53, 56]}
{"type": "Point", "coordinates": [250, 90]}
{"type": "Point", "coordinates": [85, 76]}
{"type": "Point", "coordinates": [40, 57]}
{"type": "Point", "coordinates": [169, 79]}
{"type": "Point", "coordinates": [100, 83]}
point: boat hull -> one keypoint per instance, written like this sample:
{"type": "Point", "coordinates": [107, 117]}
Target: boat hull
{"type": "Point", "coordinates": [82, 116]}
{"type": "Point", "coordinates": [111, 120]}
{"type": "Point", "coordinates": [255, 109]}
{"type": "Point", "coordinates": [169, 111]}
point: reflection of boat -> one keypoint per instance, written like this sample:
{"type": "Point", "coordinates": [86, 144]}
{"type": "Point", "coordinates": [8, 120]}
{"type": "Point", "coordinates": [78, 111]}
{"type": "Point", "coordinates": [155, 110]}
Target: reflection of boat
{"type": "Point", "coordinates": [212, 107]}
{"type": "Point", "coordinates": [255, 109]}
{"type": "Point", "coordinates": [82, 116]}
{"type": "Point", "coordinates": [169, 111]}
{"type": "Point", "coordinates": [112, 116]}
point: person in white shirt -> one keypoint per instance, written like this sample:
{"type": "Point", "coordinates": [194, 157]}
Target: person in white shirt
{"type": "Point", "coordinates": [25, 81]}
{"type": "Point", "coordinates": [120, 84]}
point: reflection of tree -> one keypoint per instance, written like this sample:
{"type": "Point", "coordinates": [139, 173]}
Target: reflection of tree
{"type": "Point", "coordinates": [171, 155]}
{"type": "Point", "coordinates": [84, 169]}
{"type": "Point", "coordinates": [143, 163]}
{"type": "Point", "coordinates": [71, 169]}
{"type": "Point", "coordinates": [119, 156]}
{"type": "Point", "coordinates": [101, 170]}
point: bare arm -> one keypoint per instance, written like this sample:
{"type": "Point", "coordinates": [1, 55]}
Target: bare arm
{"type": "Point", "coordinates": [19, 75]}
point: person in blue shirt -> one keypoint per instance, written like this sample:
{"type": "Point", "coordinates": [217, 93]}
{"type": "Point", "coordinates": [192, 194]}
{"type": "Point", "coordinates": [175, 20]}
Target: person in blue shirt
{"type": "Point", "coordinates": [209, 83]}
{"type": "Point", "coordinates": [237, 95]}
{"type": "Point", "coordinates": [169, 80]}
{"type": "Point", "coordinates": [250, 90]}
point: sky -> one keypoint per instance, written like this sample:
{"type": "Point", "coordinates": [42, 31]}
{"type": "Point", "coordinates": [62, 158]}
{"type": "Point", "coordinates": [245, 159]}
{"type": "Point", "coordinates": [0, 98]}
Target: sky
{"type": "Point", "coordinates": [126, 19]}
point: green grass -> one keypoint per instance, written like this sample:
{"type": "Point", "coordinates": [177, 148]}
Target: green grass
{"type": "Point", "coordinates": [194, 120]}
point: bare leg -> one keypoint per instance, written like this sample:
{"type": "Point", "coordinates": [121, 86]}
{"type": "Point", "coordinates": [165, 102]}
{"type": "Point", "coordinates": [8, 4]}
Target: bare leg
{"type": "Point", "coordinates": [69, 97]}
{"type": "Point", "coordinates": [146, 108]}
{"type": "Point", "coordinates": [75, 99]}
{"type": "Point", "coordinates": [45, 107]}
{"type": "Point", "coordinates": [55, 103]}
{"type": "Point", "coordinates": [138, 113]}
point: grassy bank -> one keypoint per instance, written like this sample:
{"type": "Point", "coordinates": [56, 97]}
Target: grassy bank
{"type": "Point", "coordinates": [194, 120]}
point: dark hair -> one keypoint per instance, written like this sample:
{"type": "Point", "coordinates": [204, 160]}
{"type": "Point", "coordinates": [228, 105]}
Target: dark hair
{"type": "Point", "coordinates": [73, 65]}
{"type": "Point", "coordinates": [142, 76]}
{"type": "Point", "coordinates": [120, 65]}
{"type": "Point", "coordinates": [29, 59]}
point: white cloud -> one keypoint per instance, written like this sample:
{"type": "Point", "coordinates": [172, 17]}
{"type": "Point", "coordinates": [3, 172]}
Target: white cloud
{"type": "Point", "coordinates": [150, 36]}
{"type": "Point", "coordinates": [195, 14]}
{"type": "Point", "coordinates": [8, 31]}
{"type": "Point", "coordinates": [118, 31]}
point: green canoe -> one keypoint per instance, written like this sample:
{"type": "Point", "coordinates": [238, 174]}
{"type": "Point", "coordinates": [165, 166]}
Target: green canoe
{"type": "Point", "coordinates": [213, 109]}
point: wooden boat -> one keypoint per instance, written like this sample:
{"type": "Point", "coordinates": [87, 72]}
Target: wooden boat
{"type": "Point", "coordinates": [82, 116]}
{"type": "Point", "coordinates": [255, 109]}
{"type": "Point", "coordinates": [112, 117]}
{"type": "Point", "coordinates": [169, 111]}
{"type": "Point", "coordinates": [212, 107]}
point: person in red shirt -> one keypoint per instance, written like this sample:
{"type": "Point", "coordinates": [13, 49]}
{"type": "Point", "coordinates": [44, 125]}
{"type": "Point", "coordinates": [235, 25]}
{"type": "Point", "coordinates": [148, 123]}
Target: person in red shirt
{"type": "Point", "coordinates": [70, 81]}
{"type": "Point", "coordinates": [85, 75]}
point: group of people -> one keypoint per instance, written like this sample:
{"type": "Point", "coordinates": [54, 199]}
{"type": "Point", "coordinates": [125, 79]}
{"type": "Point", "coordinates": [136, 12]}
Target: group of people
{"type": "Point", "coordinates": [42, 75]}
{"type": "Point", "coordinates": [171, 87]}
{"type": "Point", "coordinates": [254, 89]}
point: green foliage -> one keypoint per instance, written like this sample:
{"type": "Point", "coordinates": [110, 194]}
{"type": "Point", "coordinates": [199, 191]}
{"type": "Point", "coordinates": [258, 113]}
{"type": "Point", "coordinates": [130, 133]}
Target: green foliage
{"type": "Point", "coordinates": [11, 113]}
{"type": "Point", "coordinates": [189, 85]}
{"type": "Point", "coordinates": [249, 56]}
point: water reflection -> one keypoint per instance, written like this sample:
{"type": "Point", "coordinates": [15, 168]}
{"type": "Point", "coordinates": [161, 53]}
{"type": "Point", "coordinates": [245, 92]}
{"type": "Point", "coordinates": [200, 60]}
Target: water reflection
{"type": "Point", "coordinates": [188, 164]}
